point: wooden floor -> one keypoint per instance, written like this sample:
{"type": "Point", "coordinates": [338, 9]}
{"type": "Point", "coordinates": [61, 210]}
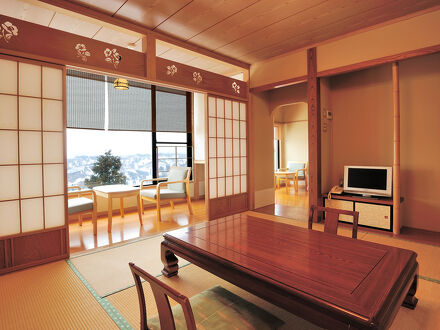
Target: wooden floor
{"type": "Point", "coordinates": [81, 239]}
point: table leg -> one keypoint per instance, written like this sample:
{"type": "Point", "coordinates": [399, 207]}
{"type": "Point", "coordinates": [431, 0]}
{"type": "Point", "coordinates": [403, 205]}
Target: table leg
{"type": "Point", "coordinates": [110, 211]}
{"type": "Point", "coordinates": [121, 206]}
{"type": "Point", "coordinates": [287, 184]}
{"type": "Point", "coordinates": [169, 260]}
{"type": "Point", "coordinates": [139, 208]}
{"type": "Point", "coordinates": [410, 299]}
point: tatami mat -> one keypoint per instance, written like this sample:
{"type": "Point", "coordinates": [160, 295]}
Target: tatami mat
{"type": "Point", "coordinates": [50, 296]}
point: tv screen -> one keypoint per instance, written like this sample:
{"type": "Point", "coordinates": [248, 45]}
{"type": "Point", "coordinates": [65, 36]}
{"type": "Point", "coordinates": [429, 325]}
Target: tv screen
{"type": "Point", "coordinates": [367, 178]}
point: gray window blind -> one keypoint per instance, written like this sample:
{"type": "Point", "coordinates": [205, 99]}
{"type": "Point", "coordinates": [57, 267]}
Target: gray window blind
{"type": "Point", "coordinates": [170, 110]}
{"type": "Point", "coordinates": [85, 100]}
{"type": "Point", "coordinates": [129, 110]}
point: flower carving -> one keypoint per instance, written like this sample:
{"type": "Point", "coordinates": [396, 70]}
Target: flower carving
{"type": "Point", "coordinates": [82, 52]}
{"type": "Point", "coordinates": [112, 56]}
{"type": "Point", "coordinates": [197, 77]}
{"type": "Point", "coordinates": [171, 70]}
{"type": "Point", "coordinates": [8, 30]}
{"type": "Point", "coordinates": [236, 87]}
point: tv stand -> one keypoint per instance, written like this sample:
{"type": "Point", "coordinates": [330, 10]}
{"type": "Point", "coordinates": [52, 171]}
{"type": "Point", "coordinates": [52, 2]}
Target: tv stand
{"type": "Point", "coordinates": [374, 212]}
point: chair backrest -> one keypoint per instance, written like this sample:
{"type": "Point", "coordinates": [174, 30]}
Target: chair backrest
{"type": "Point", "coordinates": [178, 173]}
{"type": "Point", "coordinates": [161, 292]}
{"type": "Point", "coordinates": [293, 166]}
{"type": "Point", "coordinates": [332, 217]}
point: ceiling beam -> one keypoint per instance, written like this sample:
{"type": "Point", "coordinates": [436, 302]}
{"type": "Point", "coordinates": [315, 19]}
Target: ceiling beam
{"type": "Point", "coordinates": [126, 25]}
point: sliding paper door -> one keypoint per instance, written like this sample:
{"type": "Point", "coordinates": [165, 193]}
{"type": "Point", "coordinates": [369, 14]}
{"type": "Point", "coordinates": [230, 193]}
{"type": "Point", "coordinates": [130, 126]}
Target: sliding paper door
{"type": "Point", "coordinates": [227, 156]}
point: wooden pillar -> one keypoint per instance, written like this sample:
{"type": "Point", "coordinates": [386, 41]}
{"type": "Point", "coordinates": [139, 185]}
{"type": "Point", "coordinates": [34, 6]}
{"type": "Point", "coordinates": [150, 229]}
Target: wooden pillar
{"type": "Point", "coordinates": [396, 145]}
{"type": "Point", "coordinates": [314, 123]}
{"type": "Point", "coordinates": [149, 48]}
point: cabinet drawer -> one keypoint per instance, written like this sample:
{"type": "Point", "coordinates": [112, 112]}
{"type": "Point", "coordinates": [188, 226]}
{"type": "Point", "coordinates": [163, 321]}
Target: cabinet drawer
{"type": "Point", "coordinates": [374, 215]}
{"type": "Point", "coordinates": [342, 205]}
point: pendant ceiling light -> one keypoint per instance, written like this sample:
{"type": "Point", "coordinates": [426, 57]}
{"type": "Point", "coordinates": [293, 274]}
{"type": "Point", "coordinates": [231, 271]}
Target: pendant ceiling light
{"type": "Point", "coordinates": [121, 83]}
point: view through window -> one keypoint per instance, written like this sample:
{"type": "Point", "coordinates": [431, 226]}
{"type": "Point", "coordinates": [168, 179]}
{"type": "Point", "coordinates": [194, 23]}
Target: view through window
{"type": "Point", "coordinates": [104, 123]}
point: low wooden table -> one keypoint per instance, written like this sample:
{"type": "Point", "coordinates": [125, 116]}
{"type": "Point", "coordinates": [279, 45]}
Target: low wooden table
{"type": "Point", "coordinates": [333, 281]}
{"type": "Point", "coordinates": [118, 191]}
{"type": "Point", "coordinates": [287, 175]}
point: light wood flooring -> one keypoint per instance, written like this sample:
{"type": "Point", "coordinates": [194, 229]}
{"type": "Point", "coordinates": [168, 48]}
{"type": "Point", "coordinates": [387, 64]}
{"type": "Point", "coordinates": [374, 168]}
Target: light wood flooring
{"type": "Point", "coordinates": [81, 239]}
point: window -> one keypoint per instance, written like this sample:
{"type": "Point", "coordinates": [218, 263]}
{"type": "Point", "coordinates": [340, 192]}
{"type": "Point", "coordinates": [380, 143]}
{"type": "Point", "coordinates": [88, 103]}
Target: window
{"type": "Point", "coordinates": [147, 127]}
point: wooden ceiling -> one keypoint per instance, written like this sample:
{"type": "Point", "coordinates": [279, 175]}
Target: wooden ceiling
{"type": "Point", "coordinates": [254, 30]}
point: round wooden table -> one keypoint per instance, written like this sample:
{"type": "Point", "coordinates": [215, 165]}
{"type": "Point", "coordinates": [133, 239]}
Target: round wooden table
{"type": "Point", "coordinates": [118, 191]}
{"type": "Point", "coordinates": [286, 175]}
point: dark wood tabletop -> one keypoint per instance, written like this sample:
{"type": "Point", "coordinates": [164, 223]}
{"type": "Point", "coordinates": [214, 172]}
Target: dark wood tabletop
{"type": "Point", "coordinates": [333, 281]}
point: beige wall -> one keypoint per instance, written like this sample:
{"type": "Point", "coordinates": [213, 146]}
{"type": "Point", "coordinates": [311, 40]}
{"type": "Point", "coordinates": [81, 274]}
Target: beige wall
{"type": "Point", "coordinates": [362, 131]}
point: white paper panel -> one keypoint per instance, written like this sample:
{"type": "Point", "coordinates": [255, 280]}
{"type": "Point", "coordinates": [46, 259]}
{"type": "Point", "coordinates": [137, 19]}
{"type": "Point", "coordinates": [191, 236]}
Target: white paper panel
{"type": "Point", "coordinates": [30, 147]}
{"type": "Point", "coordinates": [53, 179]}
{"type": "Point", "coordinates": [52, 83]}
{"type": "Point", "coordinates": [220, 108]}
{"type": "Point", "coordinates": [212, 147]}
{"type": "Point", "coordinates": [30, 113]}
{"type": "Point", "coordinates": [228, 166]}
{"type": "Point", "coordinates": [212, 188]}
{"type": "Point", "coordinates": [243, 165]}
{"type": "Point", "coordinates": [9, 218]}
{"type": "Point", "coordinates": [243, 147]}
{"type": "Point", "coordinates": [220, 127]}
{"type": "Point", "coordinates": [220, 147]}
{"type": "Point", "coordinates": [236, 164]}
{"type": "Point", "coordinates": [220, 167]}
{"type": "Point", "coordinates": [229, 186]}
{"type": "Point", "coordinates": [31, 184]}
{"type": "Point", "coordinates": [53, 147]}
{"type": "Point", "coordinates": [243, 184]}
{"type": "Point", "coordinates": [211, 106]}
{"type": "Point", "coordinates": [228, 128]}
{"type": "Point", "coordinates": [228, 147]}
{"type": "Point", "coordinates": [32, 214]}
{"type": "Point", "coordinates": [228, 109]}
{"type": "Point", "coordinates": [243, 129]}
{"type": "Point", "coordinates": [212, 127]}
{"type": "Point", "coordinates": [242, 111]}
{"type": "Point", "coordinates": [54, 211]}
{"type": "Point", "coordinates": [212, 167]}
{"type": "Point", "coordinates": [8, 111]}
{"type": "Point", "coordinates": [8, 71]}
{"type": "Point", "coordinates": [236, 128]}
{"type": "Point", "coordinates": [236, 147]}
{"type": "Point", "coordinates": [8, 147]}
{"type": "Point", "coordinates": [236, 185]}
{"type": "Point", "coordinates": [29, 79]}
{"type": "Point", "coordinates": [221, 187]}
{"type": "Point", "coordinates": [9, 182]}
{"type": "Point", "coordinates": [235, 110]}
{"type": "Point", "coordinates": [52, 115]}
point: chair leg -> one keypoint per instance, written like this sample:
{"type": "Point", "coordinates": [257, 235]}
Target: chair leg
{"type": "Point", "coordinates": [80, 220]}
{"type": "Point", "coordinates": [158, 210]}
{"type": "Point", "coordinates": [172, 204]}
{"type": "Point", "coordinates": [142, 204]}
{"type": "Point", "coordinates": [95, 223]}
{"type": "Point", "coordinates": [190, 209]}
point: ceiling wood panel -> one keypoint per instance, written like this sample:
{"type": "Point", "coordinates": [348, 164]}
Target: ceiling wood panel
{"type": "Point", "coordinates": [200, 15]}
{"type": "Point", "coordinates": [325, 21]}
{"type": "Point", "coordinates": [105, 6]}
{"type": "Point", "coordinates": [150, 13]}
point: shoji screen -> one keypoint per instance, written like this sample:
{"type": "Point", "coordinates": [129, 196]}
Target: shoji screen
{"type": "Point", "coordinates": [32, 173]}
{"type": "Point", "coordinates": [227, 156]}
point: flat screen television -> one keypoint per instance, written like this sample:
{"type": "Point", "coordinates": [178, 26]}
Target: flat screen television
{"type": "Point", "coordinates": [368, 180]}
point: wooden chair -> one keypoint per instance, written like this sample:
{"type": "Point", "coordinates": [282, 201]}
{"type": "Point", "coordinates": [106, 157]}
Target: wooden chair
{"type": "Point", "coordinates": [216, 305]}
{"type": "Point", "coordinates": [80, 203]}
{"type": "Point", "coordinates": [300, 169]}
{"type": "Point", "coordinates": [175, 188]}
{"type": "Point", "coordinates": [332, 217]}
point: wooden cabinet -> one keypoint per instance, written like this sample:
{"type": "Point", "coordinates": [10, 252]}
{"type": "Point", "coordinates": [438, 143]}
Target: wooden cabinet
{"type": "Point", "coordinates": [373, 212]}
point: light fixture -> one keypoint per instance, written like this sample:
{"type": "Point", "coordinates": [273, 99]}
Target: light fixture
{"type": "Point", "coordinates": [121, 83]}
